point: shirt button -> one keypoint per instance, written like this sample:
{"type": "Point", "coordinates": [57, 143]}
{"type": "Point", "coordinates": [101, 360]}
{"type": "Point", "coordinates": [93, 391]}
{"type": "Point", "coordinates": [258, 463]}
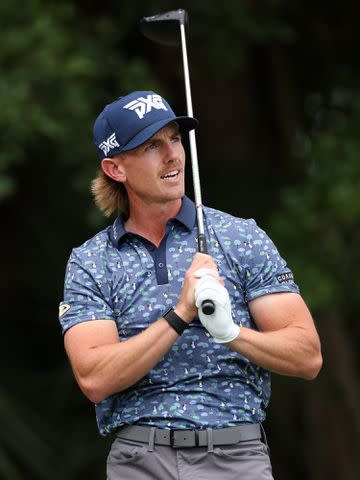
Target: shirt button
{"type": "Point", "coordinates": [160, 265]}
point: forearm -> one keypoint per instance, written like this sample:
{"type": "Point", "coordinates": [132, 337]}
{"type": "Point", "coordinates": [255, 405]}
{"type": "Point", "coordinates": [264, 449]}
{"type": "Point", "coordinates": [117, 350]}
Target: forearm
{"type": "Point", "coordinates": [103, 365]}
{"type": "Point", "coordinates": [110, 368]}
{"type": "Point", "coordinates": [287, 351]}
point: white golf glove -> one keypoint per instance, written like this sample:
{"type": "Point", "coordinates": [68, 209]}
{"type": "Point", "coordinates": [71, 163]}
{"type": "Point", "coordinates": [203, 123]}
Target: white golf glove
{"type": "Point", "coordinates": [220, 324]}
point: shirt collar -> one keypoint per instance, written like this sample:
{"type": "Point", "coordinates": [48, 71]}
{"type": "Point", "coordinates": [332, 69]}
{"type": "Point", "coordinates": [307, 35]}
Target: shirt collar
{"type": "Point", "coordinates": [186, 216]}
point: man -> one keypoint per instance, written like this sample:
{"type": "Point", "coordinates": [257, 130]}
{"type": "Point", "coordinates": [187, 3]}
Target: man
{"type": "Point", "coordinates": [184, 401]}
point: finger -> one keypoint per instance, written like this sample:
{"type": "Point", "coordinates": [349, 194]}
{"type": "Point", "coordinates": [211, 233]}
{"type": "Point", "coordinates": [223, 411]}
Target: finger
{"type": "Point", "coordinates": [202, 272]}
{"type": "Point", "coordinates": [211, 291]}
{"type": "Point", "coordinates": [204, 260]}
{"type": "Point", "coordinates": [211, 282]}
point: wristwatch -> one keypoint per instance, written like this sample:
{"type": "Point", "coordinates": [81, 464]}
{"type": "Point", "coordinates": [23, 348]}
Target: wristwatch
{"type": "Point", "coordinates": [175, 321]}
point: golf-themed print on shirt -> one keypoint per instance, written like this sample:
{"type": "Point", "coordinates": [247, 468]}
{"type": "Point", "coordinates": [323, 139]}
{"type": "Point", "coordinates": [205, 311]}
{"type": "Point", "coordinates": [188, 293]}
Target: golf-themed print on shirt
{"type": "Point", "coordinates": [120, 277]}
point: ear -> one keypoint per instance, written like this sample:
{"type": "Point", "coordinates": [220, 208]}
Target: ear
{"type": "Point", "coordinates": [112, 168]}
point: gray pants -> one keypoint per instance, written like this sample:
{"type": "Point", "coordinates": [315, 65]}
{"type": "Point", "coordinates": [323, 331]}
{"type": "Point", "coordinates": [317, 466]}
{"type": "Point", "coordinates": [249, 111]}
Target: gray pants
{"type": "Point", "coordinates": [132, 460]}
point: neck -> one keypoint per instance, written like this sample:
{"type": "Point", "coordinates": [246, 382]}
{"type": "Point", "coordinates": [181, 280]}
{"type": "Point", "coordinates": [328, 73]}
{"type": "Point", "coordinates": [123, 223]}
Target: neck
{"type": "Point", "coordinates": [149, 220]}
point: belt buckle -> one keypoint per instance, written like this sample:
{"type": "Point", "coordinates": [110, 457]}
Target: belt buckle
{"type": "Point", "coordinates": [183, 438]}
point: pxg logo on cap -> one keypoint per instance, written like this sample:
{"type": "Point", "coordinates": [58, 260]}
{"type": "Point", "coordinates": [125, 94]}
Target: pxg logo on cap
{"type": "Point", "coordinates": [141, 106]}
{"type": "Point", "coordinates": [131, 120]}
{"type": "Point", "coordinates": [109, 143]}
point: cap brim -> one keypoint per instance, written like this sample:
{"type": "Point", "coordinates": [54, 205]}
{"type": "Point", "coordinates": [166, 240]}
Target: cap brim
{"type": "Point", "coordinates": [185, 125]}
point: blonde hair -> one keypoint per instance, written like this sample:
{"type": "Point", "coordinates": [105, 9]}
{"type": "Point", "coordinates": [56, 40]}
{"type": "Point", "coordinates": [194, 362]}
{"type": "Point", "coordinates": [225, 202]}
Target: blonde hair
{"type": "Point", "coordinates": [110, 196]}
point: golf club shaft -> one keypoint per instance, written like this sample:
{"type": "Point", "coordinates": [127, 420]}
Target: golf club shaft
{"type": "Point", "coordinates": [207, 306]}
{"type": "Point", "coordinates": [193, 149]}
{"type": "Point", "coordinates": [159, 28]}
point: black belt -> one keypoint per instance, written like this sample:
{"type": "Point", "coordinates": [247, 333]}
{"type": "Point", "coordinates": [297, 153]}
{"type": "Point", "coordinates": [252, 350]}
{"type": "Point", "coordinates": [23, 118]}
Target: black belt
{"type": "Point", "coordinates": [192, 438]}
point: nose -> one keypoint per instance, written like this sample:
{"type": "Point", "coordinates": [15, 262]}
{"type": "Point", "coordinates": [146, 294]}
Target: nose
{"type": "Point", "coordinates": [171, 151]}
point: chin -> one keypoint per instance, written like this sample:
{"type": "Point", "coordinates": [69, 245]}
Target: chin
{"type": "Point", "coordinates": [178, 194]}
{"type": "Point", "coordinates": [177, 191]}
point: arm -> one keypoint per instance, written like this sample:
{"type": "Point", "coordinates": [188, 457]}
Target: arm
{"type": "Point", "coordinates": [103, 365]}
{"type": "Point", "coordinates": [287, 342]}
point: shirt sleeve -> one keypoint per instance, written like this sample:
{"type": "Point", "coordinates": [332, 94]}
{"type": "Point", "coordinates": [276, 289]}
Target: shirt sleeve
{"type": "Point", "coordinates": [86, 295]}
{"type": "Point", "coordinates": [265, 270]}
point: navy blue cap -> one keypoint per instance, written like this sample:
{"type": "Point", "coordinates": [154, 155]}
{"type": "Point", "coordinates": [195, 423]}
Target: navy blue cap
{"type": "Point", "coordinates": [132, 120]}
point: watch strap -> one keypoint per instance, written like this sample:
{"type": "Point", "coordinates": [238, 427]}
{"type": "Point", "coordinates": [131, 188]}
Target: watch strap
{"type": "Point", "coordinates": [176, 322]}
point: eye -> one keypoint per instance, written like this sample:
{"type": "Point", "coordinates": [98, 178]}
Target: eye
{"type": "Point", "coordinates": [151, 146]}
{"type": "Point", "coordinates": [176, 138]}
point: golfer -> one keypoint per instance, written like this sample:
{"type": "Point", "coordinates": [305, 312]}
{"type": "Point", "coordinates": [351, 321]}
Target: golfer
{"type": "Point", "coordinates": [182, 393]}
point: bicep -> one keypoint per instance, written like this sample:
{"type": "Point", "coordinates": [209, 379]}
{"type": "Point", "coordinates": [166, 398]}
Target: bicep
{"type": "Point", "coordinates": [280, 310]}
{"type": "Point", "coordinates": [80, 339]}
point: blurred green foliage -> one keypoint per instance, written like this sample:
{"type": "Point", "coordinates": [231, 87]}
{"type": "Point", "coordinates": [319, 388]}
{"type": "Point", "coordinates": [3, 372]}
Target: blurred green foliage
{"type": "Point", "coordinates": [324, 208]}
{"type": "Point", "coordinates": [276, 91]}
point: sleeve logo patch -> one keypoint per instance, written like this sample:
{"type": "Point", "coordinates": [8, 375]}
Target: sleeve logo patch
{"type": "Point", "coordinates": [63, 308]}
{"type": "Point", "coordinates": [285, 277]}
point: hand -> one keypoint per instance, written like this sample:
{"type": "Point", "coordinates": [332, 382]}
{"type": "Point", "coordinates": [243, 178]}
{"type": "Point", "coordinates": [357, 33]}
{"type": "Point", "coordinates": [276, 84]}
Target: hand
{"type": "Point", "coordinates": [220, 324]}
{"type": "Point", "coordinates": [186, 308]}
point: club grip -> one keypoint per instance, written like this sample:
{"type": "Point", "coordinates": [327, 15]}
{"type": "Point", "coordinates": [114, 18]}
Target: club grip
{"type": "Point", "coordinates": [202, 243]}
{"type": "Point", "coordinates": [208, 307]}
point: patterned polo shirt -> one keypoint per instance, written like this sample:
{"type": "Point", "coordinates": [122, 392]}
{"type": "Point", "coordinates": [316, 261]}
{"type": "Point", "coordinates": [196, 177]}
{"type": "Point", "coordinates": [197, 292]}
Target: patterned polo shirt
{"type": "Point", "coordinates": [121, 277]}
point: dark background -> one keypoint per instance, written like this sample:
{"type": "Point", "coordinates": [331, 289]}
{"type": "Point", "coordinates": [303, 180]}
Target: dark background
{"type": "Point", "coordinates": [276, 89]}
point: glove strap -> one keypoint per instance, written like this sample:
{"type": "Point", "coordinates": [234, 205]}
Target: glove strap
{"type": "Point", "coordinates": [175, 321]}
